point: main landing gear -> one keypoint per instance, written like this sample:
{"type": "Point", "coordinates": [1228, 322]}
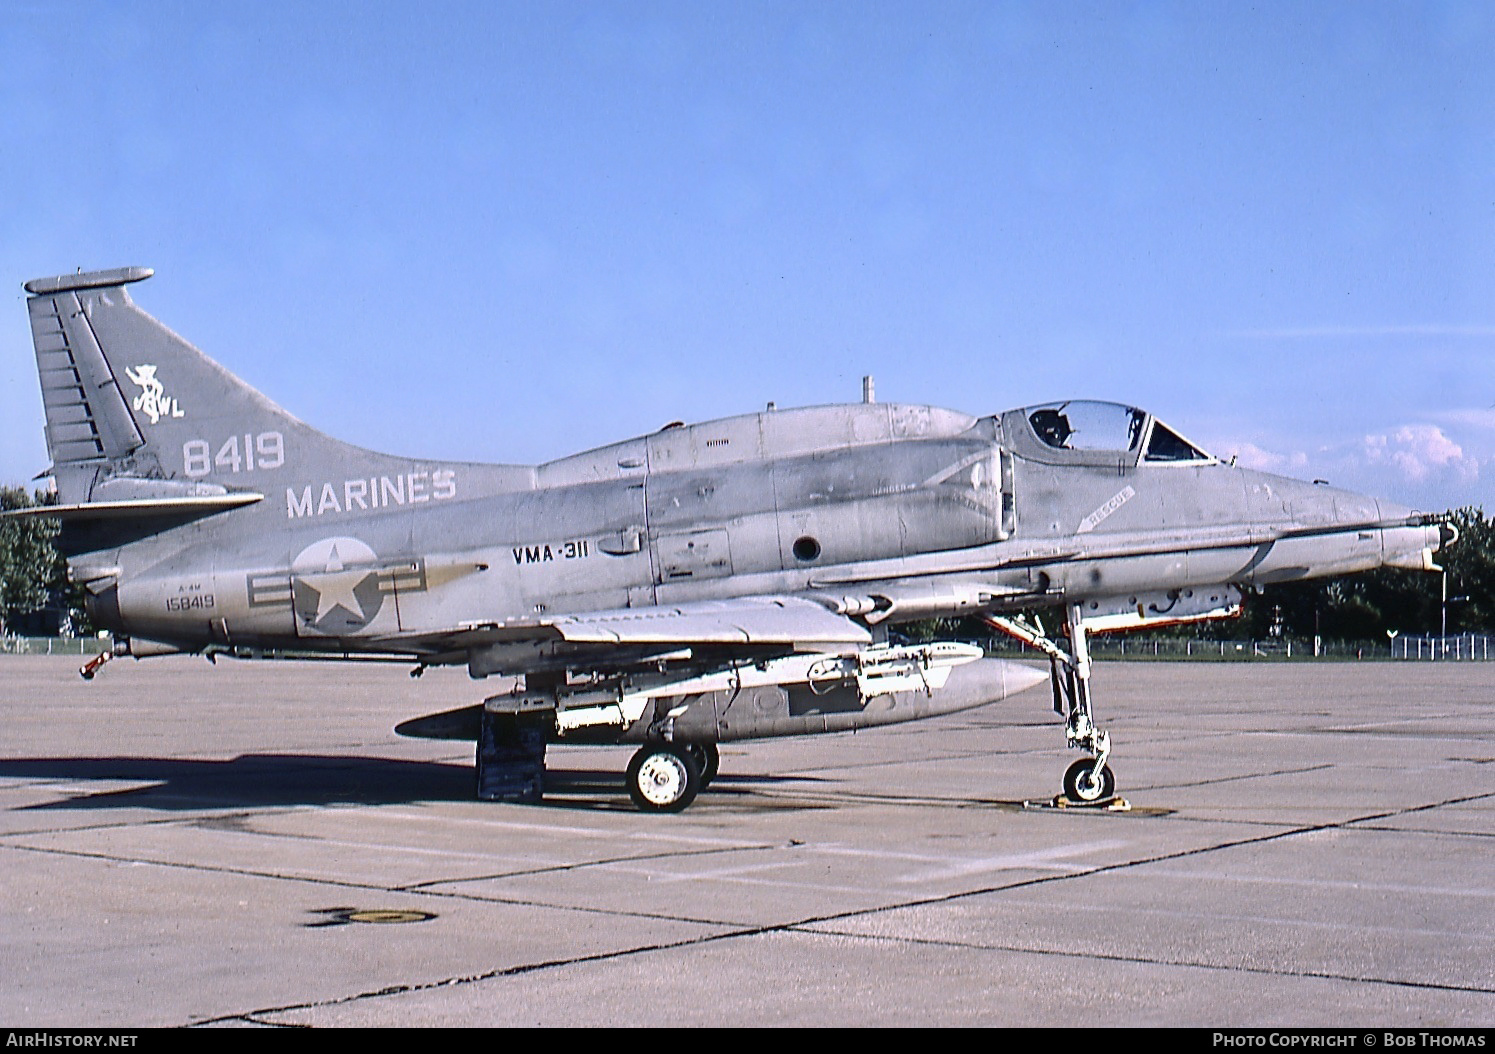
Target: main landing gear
{"type": "Point", "coordinates": [707, 757]}
{"type": "Point", "coordinates": [666, 777]}
{"type": "Point", "coordinates": [1089, 780]}
{"type": "Point", "coordinates": [662, 777]}
{"type": "Point", "coordinates": [666, 774]}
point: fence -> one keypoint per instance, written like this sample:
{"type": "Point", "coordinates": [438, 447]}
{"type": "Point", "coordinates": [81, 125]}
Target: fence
{"type": "Point", "coordinates": [1463, 648]}
{"type": "Point", "coordinates": [51, 645]}
{"type": "Point", "coordinates": [1117, 646]}
{"type": "Point", "coordinates": [1276, 648]}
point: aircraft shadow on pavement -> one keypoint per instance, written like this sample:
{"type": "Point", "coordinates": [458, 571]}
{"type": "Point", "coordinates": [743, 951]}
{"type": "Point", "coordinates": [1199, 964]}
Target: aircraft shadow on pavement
{"type": "Point", "coordinates": [268, 780]}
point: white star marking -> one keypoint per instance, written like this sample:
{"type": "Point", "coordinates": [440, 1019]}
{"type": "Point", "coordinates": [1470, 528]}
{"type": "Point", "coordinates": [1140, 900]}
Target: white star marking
{"type": "Point", "coordinates": [335, 589]}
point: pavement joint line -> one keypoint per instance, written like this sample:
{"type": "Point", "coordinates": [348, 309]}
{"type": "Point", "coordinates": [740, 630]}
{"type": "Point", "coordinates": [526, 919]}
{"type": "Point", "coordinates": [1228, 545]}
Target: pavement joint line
{"type": "Point", "coordinates": [1428, 831]}
{"type": "Point", "coordinates": [375, 887]}
{"type": "Point", "coordinates": [489, 975]}
{"type": "Point", "coordinates": [1125, 865]}
{"type": "Point", "coordinates": [799, 927]}
{"type": "Point", "coordinates": [216, 821]}
{"type": "Point", "coordinates": [116, 825]}
{"type": "Point", "coordinates": [585, 864]}
{"type": "Point", "coordinates": [201, 810]}
{"type": "Point", "coordinates": [250, 1019]}
{"type": "Point", "coordinates": [420, 890]}
{"type": "Point", "coordinates": [1234, 779]}
{"type": "Point", "coordinates": [1429, 806]}
{"type": "Point", "coordinates": [1140, 960]}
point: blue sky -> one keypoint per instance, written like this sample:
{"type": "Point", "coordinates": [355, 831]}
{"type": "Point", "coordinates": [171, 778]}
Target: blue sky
{"type": "Point", "coordinates": [510, 231]}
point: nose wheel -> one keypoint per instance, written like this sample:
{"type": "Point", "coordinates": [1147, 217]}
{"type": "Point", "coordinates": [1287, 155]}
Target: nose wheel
{"type": "Point", "coordinates": [1087, 781]}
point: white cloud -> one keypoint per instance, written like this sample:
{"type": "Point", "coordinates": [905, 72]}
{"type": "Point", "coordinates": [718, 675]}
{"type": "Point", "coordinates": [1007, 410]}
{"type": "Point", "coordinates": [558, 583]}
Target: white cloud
{"type": "Point", "coordinates": [1469, 418]}
{"type": "Point", "coordinates": [1420, 452]}
{"type": "Point", "coordinates": [1426, 465]}
{"type": "Point", "coordinates": [1249, 455]}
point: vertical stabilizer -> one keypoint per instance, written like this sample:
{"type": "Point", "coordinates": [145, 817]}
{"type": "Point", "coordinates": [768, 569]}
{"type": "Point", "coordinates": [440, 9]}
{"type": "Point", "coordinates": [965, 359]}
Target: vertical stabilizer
{"type": "Point", "coordinates": [131, 405]}
{"type": "Point", "coordinates": [136, 414]}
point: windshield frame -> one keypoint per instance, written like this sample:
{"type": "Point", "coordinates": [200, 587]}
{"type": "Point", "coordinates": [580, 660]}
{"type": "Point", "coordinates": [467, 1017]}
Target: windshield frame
{"type": "Point", "coordinates": [1052, 441]}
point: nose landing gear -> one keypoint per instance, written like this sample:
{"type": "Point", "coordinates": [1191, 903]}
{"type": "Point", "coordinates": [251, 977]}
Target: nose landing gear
{"type": "Point", "coordinates": [1090, 780]}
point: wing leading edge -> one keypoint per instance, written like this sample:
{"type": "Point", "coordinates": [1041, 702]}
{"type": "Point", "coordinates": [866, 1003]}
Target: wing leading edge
{"type": "Point", "coordinates": [781, 620]}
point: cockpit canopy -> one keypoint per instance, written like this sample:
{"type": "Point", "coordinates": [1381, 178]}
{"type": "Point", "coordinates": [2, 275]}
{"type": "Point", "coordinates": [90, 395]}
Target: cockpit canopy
{"type": "Point", "coordinates": [1109, 427]}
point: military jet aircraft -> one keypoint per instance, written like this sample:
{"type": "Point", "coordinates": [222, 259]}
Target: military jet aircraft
{"type": "Point", "coordinates": [710, 582]}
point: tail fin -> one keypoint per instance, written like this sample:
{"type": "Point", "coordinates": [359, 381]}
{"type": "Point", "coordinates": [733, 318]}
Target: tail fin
{"type": "Point", "coordinates": [134, 411]}
{"type": "Point", "coordinates": [140, 421]}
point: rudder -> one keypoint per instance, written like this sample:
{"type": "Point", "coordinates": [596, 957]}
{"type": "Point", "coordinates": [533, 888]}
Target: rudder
{"type": "Point", "coordinates": [86, 412]}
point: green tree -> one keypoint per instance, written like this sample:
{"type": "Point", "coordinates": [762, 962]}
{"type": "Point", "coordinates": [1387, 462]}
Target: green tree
{"type": "Point", "coordinates": [1365, 606]}
{"type": "Point", "coordinates": [33, 575]}
{"type": "Point", "coordinates": [1471, 573]}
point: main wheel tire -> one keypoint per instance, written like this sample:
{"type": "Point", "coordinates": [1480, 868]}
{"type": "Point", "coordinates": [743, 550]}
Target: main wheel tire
{"type": "Point", "coordinates": [663, 777]}
{"type": "Point", "coordinates": [707, 758]}
{"type": "Point", "coordinates": [1083, 784]}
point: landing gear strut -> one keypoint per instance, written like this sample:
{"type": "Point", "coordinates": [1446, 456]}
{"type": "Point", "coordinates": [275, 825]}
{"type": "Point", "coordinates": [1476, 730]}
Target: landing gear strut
{"type": "Point", "coordinates": [1090, 779]}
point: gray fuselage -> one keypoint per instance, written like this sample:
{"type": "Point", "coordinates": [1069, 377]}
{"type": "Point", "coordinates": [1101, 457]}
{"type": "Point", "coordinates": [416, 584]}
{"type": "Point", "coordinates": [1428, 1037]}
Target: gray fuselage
{"type": "Point", "coordinates": [917, 510]}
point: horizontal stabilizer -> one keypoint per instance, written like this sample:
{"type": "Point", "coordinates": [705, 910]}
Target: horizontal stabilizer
{"type": "Point", "coordinates": [67, 283]}
{"type": "Point", "coordinates": [120, 510]}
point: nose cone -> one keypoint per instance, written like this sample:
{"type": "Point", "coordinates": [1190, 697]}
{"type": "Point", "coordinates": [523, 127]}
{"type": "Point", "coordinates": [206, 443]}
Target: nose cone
{"type": "Point", "coordinates": [1410, 538]}
{"type": "Point", "coordinates": [1328, 531]}
{"type": "Point", "coordinates": [1439, 532]}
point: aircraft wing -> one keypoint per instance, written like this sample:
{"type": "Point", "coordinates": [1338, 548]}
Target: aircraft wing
{"type": "Point", "coordinates": [746, 627]}
{"type": "Point", "coordinates": [745, 620]}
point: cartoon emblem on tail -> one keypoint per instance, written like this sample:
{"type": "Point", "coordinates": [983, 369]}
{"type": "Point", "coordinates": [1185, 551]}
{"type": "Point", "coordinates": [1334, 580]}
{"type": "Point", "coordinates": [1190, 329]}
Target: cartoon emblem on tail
{"type": "Point", "coordinates": [152, 400]}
